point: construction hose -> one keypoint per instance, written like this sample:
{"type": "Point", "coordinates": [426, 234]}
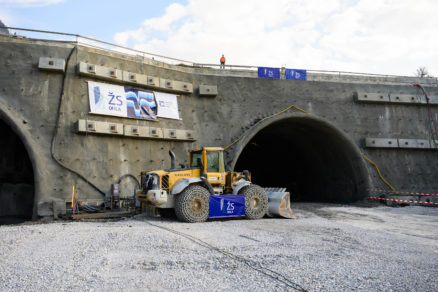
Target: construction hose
{"type": "Point", "coordinates": [131, 176]}
{"type": "Point", "coordinates": [55, 133]}
{"type": "Point", "coordinates": [432, 120]}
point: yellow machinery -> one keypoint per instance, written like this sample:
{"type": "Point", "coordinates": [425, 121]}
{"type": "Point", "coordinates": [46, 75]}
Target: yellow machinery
{"type": "Point", "coordinates": [187, 190]}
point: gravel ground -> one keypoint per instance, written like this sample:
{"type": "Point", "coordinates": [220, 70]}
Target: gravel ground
{"type": "Point", "coordinates": [329, 247]}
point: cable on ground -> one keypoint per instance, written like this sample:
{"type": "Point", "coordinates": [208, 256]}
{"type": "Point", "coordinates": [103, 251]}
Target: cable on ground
{"type": "Point", "coordinates": [253, 265]}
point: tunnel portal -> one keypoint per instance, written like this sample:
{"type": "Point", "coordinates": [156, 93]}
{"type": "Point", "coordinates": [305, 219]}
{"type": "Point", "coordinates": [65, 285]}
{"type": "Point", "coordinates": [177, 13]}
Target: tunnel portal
{"type": "Point", "coordinates": [310, 158]}
{"type": "Point", "coordinates": [16, 178]}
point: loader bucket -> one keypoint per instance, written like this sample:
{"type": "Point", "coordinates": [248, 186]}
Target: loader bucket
{"type": "Point", "coordinates": [279, 203]}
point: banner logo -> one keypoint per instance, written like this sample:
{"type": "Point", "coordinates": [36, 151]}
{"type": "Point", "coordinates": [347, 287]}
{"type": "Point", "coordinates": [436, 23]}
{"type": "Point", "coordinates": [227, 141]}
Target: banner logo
{"type": "Point", "coordinates": [116, 100]}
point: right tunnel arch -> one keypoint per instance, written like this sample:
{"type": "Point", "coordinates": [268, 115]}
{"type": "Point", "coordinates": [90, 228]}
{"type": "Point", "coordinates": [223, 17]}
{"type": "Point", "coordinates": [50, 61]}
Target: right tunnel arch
{"type": "Point", "coordinates": [313, 159]}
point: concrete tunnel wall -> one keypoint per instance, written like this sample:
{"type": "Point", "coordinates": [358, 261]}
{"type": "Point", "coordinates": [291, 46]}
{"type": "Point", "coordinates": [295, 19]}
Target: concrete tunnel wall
{"type": "Point", "coordinates": [30, 97]}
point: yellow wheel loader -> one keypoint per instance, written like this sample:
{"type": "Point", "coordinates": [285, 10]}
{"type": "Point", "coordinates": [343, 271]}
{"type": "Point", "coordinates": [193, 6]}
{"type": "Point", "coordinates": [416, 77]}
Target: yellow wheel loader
{"type": "Point", "coordinates": [188, 190]}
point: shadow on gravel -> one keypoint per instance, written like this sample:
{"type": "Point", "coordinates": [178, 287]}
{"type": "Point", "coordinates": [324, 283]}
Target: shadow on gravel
{"type": "Point", "coordinates": [8, 220]}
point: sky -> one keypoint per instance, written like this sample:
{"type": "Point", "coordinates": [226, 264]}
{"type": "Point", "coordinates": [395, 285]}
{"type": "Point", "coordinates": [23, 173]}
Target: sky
{"type": "Point", "coordinates": [369, 36]}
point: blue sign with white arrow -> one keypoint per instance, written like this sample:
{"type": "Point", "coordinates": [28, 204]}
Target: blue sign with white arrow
{"type": "Point", "coordinates": [267, 72]}
{"type": "Point", "coordinates": [295, 74]}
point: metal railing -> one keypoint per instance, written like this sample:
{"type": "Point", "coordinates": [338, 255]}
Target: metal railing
{"type": "Point", "coordinates": [99, 44]}
{"type": "Point", "coordinates": [95, 43]}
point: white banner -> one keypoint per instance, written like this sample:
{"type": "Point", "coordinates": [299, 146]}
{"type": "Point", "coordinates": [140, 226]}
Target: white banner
{"type": "Point", "coordinates": [167, 105]}
{"type": "Point", "coordinates": [116, 100]}
{"type": "Point", "coordinates": [107, 99]}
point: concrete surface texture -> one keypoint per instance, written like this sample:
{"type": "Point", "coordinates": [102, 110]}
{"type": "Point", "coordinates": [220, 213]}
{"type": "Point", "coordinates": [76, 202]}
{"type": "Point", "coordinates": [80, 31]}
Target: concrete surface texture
{"type": "Point", "coordinates": [317, 155]}
{"type": "Point", "coordinates": [328, 248]}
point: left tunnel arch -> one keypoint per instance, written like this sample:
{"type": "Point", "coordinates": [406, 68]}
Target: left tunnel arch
{"type": "Point", "coordinates": [17, 186]}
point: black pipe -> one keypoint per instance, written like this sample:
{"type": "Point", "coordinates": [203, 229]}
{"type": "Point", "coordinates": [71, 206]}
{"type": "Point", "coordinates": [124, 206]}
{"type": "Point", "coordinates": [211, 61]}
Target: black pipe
{"type": "Point", "coordinates": [172, 159]}
{"type": "Point", "coordinates": [57, 126]}
{"type": "Point", "coordinates": [128, 175]}
{"type": "Point", "coordinates": [432, 120]}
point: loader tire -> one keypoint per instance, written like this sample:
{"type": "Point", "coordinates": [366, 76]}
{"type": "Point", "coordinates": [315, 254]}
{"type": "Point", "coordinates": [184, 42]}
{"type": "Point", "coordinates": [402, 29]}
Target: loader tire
{"type": "Point", "coordinates": [192, 204]}
{"type": "Point", "coordinates": [256, 201]}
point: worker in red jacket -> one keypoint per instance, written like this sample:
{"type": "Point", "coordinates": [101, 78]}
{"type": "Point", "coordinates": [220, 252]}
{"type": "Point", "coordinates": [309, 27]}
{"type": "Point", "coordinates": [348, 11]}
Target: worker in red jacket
{"type": "Point", "coordinates": [223, 62]}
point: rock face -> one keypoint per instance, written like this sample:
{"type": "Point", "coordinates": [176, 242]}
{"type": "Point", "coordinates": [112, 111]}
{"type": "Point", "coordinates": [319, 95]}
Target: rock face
{"type": "Point", "coordinates": [3, 29]}
{"type": "Point", "coordinates": [307, 136]}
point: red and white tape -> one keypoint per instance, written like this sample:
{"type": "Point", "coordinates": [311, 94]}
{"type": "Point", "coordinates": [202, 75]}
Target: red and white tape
{"type": "Point", "coordinates": [403, 201]}
{"type": "Point", "coordinates": [401, 193]}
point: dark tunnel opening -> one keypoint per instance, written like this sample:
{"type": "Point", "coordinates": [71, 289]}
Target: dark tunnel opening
{"type": "Point", "coordinates": [309, 158]}
{"type": "Point", "coordinates": [16, 178]}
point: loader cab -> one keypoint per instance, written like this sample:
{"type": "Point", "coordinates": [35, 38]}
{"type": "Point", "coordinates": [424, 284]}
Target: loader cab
{"type": "Point", "coordinates": [211, 159]}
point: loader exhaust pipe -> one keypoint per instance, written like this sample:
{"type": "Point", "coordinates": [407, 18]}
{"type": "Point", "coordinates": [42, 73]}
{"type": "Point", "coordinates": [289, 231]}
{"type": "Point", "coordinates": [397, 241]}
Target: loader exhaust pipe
{"type": "Point", "coordinates": [172, 159]}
